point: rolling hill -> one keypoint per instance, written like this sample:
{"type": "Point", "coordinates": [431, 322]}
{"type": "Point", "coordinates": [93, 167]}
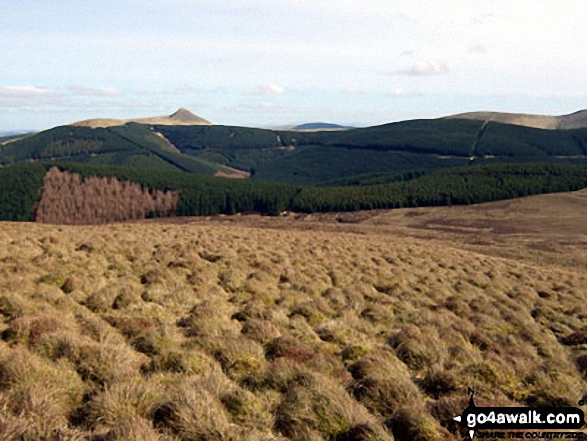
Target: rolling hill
{"type": "Point", "coordinates": [178, 118]}
{"type": "Point", "coordinates": [301, 157]}
{"type": "Point", "coordinates": [321, 126]}
{"type": "Point", "coordinates": [320, 157]}
{"type": "Point", "coordinates": [574, 120]}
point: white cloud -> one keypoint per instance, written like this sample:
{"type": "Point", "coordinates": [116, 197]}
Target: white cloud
{"type": "Point", "coordinates": [271, 89]}
{"type": "Point", "coordinates": [352, 91]}
{"type": "Point", "coordinates": [425, 68]}
{"type": "Point", "coordinates": [183, 89]}
{"type": "Point", "coordinates": [485, 17]}
{"type": "Point", "coordinates": [91, 91]}
{"type": "Point", "coordinates": [400, 93]}
{"type": "Point", "coordinates": [260, 108]}
{"type": "Point", "coordinates": [406, 53]}
{"type": "Point", "coordinates": [477, 49]}
{"type": "Point", "coordinates": [27, 97]}
{"type": "Point", "coordinates": [179, 90]}
{"type": "Point", "coordinates": [141, 92]}
{"type": "Point", "coordinates": [23, 91]}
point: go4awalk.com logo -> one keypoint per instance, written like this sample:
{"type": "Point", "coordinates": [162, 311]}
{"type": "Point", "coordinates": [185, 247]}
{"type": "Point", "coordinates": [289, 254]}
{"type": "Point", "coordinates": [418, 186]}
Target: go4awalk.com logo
{"type": "Point", "coordinates": [546, 419]}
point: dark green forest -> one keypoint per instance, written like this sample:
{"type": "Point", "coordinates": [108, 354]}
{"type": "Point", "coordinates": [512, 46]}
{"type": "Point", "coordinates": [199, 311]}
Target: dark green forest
{"type": "Point", "coordinates": [20, 187]}
{"type": "Point", "coordinates": [303, 158]}
{"type": "Point", "coordinates": [454, 186]}
{"type": "Point", "coordinates": [407, 164]}
{"type": "Point", "coordinates": [132, 145]}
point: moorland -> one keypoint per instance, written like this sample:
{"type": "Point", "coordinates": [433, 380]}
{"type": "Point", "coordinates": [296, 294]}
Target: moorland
{"type": "Point", "coordinates": [335, 326]}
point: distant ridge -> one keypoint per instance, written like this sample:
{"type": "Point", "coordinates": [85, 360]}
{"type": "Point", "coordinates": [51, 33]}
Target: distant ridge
{"type": "Point", "coordinates": [181, 117]}
{"type": "Point", "coordinates": [576, 120]}
{"type": "Point", "coordinates": [321, 126]}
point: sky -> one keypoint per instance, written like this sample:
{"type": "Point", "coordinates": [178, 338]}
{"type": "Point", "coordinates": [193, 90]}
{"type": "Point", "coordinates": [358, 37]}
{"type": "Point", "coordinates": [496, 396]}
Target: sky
{"type": "Point", "coordinates": [267, 63]}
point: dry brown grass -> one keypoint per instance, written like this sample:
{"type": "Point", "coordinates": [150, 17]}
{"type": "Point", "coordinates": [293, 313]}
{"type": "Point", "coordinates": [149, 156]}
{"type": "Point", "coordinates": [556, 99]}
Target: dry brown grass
{"type": "Point", "coordinates": [228, 332]}
{"type": "Point", "coordinates": [181, 117]}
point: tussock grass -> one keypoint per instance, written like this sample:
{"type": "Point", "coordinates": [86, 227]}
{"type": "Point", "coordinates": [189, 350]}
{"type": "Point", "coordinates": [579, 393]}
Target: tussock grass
{"type": "Point", "coordinates": [213, 332]}
{"type": "Point", "coordinates": [193, 413]}
{"type": "Point", "coordinates": [321, 405]}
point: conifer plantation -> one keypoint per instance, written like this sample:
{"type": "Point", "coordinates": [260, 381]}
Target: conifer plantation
{"type": "Point", "coordinates": [79, 193]}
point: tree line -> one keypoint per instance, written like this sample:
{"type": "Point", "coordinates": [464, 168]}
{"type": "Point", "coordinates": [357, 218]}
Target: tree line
{"type": "Point", "coordinates": [21, 188]}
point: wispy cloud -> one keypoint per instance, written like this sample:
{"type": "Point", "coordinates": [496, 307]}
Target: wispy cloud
{"type": "Point", "coordinates": [183, 89]}
{"type": "Point", "coordinates": [76, 89]}
{"type": "Point", "coordinates": [407, 53]}
{"type": "Point", "coordinates": [477, 49]}
{"type": "Point", "coordinates": [260, 108]}
{"type": "Point", "coordinates": [352, 91]}
{"type": "Point", "coordinates": [400, 93]}
{"type": "Point", "coordinates": [425, 68]}
{"type": "Point", "coordinates": [23, 91]}
{"type": "Point", "coordinates": [27, 96]}
{"type": "Point", "coordinates": [270, 89]}
{"type": "Point", "coordinates": [141, 92]}
{"type": "Point", "coordinates": [485, 17]}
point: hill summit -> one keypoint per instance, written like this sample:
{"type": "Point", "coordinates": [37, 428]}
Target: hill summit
{"type": "Point", "coordinates": [181, 117]}
{"type": "Point", "coordinates": [185, 116]}
{"type": "Point", "coordinates": [576, 120]}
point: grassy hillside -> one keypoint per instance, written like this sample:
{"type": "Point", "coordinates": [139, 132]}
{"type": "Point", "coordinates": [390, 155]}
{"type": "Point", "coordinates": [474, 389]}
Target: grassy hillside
{"type": "Point", "coordinates": [576, 120]}
{"type": "Point", "coordinates": [180, 117]}
{"type": "Point", "coordinates": [211, 332]}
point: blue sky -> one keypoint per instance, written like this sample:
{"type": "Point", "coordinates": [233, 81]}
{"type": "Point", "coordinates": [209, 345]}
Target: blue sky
{"type": "Point", "coordinates": [274, 62]}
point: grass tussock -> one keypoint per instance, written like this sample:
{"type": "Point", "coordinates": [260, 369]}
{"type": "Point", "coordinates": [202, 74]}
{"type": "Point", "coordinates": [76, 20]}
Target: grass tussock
{"type": "Point", "coordinates": [167, 332]}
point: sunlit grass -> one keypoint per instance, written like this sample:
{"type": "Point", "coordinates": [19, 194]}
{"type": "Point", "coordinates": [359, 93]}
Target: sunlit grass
{"type": "Point", "coordinates": [209, 332]}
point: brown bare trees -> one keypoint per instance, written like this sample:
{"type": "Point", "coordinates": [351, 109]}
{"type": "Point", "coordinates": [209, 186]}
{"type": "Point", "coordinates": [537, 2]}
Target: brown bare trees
{"type": "Point", "coordinates": [69, 199]}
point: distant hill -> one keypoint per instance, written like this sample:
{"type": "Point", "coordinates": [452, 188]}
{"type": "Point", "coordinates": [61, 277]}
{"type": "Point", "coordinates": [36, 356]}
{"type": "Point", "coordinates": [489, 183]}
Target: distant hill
{"type": "Point", "coordinates": [132, 144]}
{"type": "Point", "coordinates": [8, 137]}
{"type": "Point", "coordinates": [574, 120]}
{"type": "Point", "coordinates": [179, 118]}
{"type": "Point", "coordinates": [318, 157]}
{"type": "Point", "coordinates": [321, 126]}
{"type": "Point", "coordinates": [306, 157]}
{"type": "Point", "coordinates": [7, 133]}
